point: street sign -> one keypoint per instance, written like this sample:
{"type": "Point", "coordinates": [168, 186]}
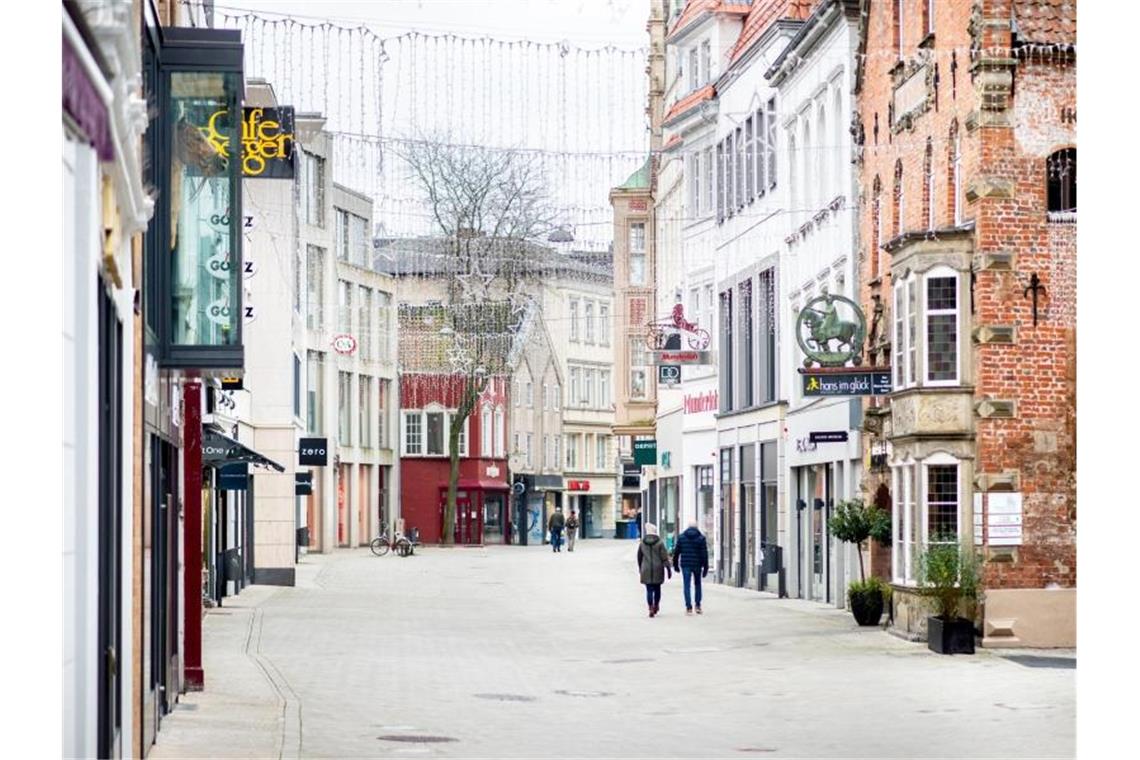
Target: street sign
{"type": "Point", "coordinates": [645, 452]}
{"type": "Point", "coordinates": [685, 356]}
{"type": "Point", "coordinates": [828, 436]}
{"type": "Point", "coordinates": [849, 382]}
{"type": "Point", "coordinates": [303, 483]}
{"type": "Point", "coordinates": [314, 451]}
{"type": "Point", "coordinates": [669, 374]}
{"type": "Point", "coordinates": [233, 477]}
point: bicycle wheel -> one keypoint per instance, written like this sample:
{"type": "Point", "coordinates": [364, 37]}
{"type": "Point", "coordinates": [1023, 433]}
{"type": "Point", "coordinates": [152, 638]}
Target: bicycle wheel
{"type": "Point", "coordinates": [699, 340]}
{"type": "Point", "coordinates": [379, 546]}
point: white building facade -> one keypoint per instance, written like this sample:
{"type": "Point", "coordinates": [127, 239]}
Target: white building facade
{"type": "Point", "coordinates": [814, 79]}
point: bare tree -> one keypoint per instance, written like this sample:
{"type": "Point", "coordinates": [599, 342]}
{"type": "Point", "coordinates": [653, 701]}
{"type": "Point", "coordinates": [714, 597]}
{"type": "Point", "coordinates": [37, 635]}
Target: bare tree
{"type": "Point", "coordinates": [491, 208]}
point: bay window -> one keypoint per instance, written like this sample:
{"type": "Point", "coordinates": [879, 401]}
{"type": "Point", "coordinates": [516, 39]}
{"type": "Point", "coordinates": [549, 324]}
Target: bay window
{"type": "Point", "coordinates": [934, 321]}
{"type": "Point", "coordinates": [926, 509]}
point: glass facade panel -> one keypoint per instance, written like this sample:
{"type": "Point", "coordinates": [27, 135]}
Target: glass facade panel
{"type": "Point", "coordinates": [204, 179]}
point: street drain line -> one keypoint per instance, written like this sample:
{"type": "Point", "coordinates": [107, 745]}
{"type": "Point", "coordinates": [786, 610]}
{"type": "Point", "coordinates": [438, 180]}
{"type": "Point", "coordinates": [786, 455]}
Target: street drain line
{"type": "Point", "coordinates": [627, 659]}
{"type": "Point", "coordinates": [567, 693]}
{"type": "Point", "coordinates": [506, 697]}
{"type": "Point", "coordinates": [414, 739]}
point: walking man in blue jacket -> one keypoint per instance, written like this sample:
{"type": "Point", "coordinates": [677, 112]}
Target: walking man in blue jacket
{"type": "Point", "coordinates": [691, 559]}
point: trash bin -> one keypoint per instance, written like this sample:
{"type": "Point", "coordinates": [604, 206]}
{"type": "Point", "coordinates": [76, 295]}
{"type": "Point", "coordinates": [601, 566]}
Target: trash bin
{"type": "Point", "coordinates": [232, 563]}
{"type": "Point", "coordinates": [303, 536]}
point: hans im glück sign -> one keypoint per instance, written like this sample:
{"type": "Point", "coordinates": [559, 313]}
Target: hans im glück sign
{"type": "Point", "coordinates": [857, 383]}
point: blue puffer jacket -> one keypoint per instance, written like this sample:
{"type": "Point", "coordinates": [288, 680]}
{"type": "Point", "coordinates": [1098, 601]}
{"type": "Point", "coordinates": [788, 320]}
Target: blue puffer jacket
{"type": "Point", "coordinates": [691, 551]}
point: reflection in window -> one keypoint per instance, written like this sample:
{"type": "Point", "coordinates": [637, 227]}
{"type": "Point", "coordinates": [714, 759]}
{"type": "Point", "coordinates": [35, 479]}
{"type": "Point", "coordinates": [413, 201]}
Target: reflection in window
{"type": "Point", "coordinates": [205, 298]}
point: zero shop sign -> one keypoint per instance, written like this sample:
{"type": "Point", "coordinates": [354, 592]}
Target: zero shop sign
{"type": "Point", "coordinates": [314, 451]}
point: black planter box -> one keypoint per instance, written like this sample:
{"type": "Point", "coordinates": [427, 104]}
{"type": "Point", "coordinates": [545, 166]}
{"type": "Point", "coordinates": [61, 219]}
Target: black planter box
{"type": "Point", "coordinates": [950, 636]}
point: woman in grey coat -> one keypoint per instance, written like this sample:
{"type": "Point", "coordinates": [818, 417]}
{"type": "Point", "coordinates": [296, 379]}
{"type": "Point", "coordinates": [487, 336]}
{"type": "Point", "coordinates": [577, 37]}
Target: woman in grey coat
{"type": "Point", "coordinates": [653, 562]}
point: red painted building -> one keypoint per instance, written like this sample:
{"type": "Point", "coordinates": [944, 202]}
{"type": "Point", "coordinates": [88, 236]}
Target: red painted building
{"type": "Point", "coordinates": [428, 403]}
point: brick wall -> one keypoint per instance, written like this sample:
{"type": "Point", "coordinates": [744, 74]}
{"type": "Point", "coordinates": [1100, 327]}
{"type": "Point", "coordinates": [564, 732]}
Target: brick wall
{"type": "Point", "coordinates": [1038, 370]}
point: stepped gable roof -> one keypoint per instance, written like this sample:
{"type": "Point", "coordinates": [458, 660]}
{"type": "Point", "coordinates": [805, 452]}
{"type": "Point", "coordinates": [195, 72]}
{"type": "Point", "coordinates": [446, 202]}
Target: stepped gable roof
{"type": "Point", "coordinates": [760, 17]}
{"type": "Point", "coordinates": [1045, 22]}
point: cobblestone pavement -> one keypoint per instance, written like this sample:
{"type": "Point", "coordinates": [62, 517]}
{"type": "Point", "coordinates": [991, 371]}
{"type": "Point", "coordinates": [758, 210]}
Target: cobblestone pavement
{"type": "Point", "coordinates": [520, 652]}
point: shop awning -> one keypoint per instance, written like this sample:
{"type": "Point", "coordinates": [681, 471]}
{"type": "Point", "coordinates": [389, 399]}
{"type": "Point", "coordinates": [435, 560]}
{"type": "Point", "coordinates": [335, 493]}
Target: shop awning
{"type": "Point", "coordinates": [477, 484]}
{"type": "Point", "coordinates": [218, 450]}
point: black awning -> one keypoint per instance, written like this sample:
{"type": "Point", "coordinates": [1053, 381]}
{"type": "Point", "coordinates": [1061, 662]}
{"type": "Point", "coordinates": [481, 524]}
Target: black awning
{"type": "Point", "coordinates": [218, 449]}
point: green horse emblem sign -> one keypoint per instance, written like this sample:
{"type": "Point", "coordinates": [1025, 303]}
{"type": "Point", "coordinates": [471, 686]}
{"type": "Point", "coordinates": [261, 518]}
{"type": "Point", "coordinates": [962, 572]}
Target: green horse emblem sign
{"type": "Point", "coordinates": [831, 330]}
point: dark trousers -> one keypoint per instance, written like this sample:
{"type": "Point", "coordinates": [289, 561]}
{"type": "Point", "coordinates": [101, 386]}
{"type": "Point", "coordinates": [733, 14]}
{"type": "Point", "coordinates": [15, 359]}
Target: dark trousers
{"type": "Point", "coordinates": [653, 594]}
{"type": "Point", "coordinates": [695, 574]}
{"type": "Point", "coordinates": [556, 538]}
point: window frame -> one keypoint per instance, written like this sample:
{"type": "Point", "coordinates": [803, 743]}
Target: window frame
{"type": "Point", "coordinates": [942, 272]}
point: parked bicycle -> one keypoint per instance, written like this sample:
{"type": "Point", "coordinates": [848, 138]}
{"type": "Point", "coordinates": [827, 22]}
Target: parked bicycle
{"type": "Point", "coordinates": [404, 545]}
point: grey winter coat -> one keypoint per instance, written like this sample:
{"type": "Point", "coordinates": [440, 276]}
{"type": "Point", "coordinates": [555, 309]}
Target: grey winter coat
{"type": "Point", "coordinates": [652, 560]}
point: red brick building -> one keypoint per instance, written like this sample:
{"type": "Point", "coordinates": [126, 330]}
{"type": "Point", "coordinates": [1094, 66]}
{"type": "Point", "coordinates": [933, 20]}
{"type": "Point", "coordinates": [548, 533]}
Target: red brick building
{"type": "Point", "coordinates": [966, 145]}
{"type": "Point", "coordinates": [427, 405]}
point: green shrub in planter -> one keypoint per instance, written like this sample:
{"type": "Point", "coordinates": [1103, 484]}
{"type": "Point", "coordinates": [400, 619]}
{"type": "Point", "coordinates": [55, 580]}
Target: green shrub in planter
{"type": "Point", "coordinates": [867, 599]}
{"type": "Point", "coordinates": [854, 523]}
{"type": "Point", "coordinates": [948, 578]}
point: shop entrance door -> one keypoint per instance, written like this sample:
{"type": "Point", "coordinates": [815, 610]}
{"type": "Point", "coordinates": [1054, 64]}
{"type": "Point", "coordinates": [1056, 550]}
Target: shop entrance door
{"type": "Point", "coordinates": [493, 519]}
{"type": "Point", "coordinates": [468, 521]}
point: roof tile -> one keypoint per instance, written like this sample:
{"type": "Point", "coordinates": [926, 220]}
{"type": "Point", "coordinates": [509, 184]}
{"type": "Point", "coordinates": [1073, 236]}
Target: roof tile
{"type": "Point", "coordinates": [762, 14]}
{"type": "Point", "coordinates": [1046, 22]}
{"type": "Point", "coordinates": [708, 92]}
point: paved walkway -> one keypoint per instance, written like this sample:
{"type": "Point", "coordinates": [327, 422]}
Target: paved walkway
{"type": "Point", "coordinates": [519, 652]}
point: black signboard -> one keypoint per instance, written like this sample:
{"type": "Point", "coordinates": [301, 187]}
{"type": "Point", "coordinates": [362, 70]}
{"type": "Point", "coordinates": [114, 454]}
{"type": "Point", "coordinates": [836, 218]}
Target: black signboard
{"type": "Point", "coordinates": [856, 383]}
{"type": "Point", "coordinates": [314, 451]}
{"type": "Point", "coordinates": [232, 384]}
{"type": "Point", "coordinates": [267, 137]}
{"type": "Point", "coordinates": [233, 477]}
{"type": "Point", "coordinates": [828, 436]}
{"type": "Point", "coordinates": [303, 483]}
{"type": "Point", "coordinates": [668, 374]}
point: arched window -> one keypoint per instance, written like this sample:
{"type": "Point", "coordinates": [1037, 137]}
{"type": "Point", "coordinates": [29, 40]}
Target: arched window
{"type": "Point", "coordinates": [898, 208]}
{"type": "Point", "coordinates": [500, 433]}
{"type": "Point", "coordinates": [955, 174]}
{"type": "Point", "coordinates": [1061, 182]}
{"type": "Point", "coordinates": [840, 141]}
{"type": "Point", "coordinates": [805, 168]}
{"type": "Point", "coordinates": [821, 156]}
{"type": "Point", "coordinates": [876, 224]}
{"type": "Point", "coordinates": [485, 432]}
{"type": "Point", "coordinates": [928, 180]}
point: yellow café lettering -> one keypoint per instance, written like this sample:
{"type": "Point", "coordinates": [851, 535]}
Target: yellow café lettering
{"type": "Point", "coordinates": [261, 139]}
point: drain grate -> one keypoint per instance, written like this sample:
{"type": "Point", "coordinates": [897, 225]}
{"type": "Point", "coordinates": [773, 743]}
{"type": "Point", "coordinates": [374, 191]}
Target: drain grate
{"type": "Point", "coordinates": [1037, 661]}
{"type": "Point", "coordinates": [507, 697]}
{"type": "Point", "coordinates": [416, 739]}
{"type": "Point", "coordinates": [570, 693]}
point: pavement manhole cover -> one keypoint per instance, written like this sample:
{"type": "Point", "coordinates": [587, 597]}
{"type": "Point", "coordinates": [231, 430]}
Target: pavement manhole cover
{"type": "Point", "coordinates": [571, 693]}
{"type": "Point", "coordinates": [507, 697]}
{"type": "Point", "coordinates": [416, 738]}
{"type": "Point", "coordinates": [627, 659]}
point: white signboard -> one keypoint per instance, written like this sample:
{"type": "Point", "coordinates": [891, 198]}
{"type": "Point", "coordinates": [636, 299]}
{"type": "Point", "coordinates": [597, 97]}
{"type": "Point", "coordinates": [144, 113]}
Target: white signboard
{"type": "Point", "coordinates": [1003, 519]}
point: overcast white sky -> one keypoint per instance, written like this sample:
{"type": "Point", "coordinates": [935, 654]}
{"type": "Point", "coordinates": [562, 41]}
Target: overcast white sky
{"type": "Point", "coordinates": [601, 22]}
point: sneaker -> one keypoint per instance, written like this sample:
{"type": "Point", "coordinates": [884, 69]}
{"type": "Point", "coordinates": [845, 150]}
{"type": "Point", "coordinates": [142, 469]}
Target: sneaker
{"type": "Point", "coordinates": [688, 610]}
{"type": "Point", "coordinates": [699, 610]}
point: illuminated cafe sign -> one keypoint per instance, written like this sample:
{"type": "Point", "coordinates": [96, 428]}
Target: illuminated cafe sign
{"type": "Point", "coordinates": [267, 138]}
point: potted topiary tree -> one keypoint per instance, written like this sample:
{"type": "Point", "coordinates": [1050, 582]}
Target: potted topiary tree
{"type": "Point", "coordinates": [854, 523]}
{"type": "Point", "coordinates": [948, 578]}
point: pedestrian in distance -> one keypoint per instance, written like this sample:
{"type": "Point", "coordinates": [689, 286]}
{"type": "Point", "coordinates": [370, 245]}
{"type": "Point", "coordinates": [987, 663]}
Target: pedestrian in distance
{"type": "Point", "coordinates": [653, 562]}
{"type": "Point", "coordinates": [571, 529]}
{"type": "Point", "coordinates": [691, 559]}
{"type": "Point", "coordinates": [557, 523]}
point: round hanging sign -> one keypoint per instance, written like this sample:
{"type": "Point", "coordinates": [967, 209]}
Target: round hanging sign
{"type": "Point", "coordinates": [344, 344]}
{"type": "Point", "coordinates": [831, 330]}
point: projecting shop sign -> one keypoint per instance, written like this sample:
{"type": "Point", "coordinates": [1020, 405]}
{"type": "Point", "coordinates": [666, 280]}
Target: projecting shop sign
{"type": "Point", "coordinates": [860, 383]}
{"type": "Point", "coordinates": [314, 451]}
{"type": "Point", "coordinates": [645, 452]}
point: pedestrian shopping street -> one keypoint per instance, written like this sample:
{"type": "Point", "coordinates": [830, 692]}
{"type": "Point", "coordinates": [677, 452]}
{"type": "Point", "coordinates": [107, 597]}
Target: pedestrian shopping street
{"type": "Point", "coordinates": [519, 652]}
